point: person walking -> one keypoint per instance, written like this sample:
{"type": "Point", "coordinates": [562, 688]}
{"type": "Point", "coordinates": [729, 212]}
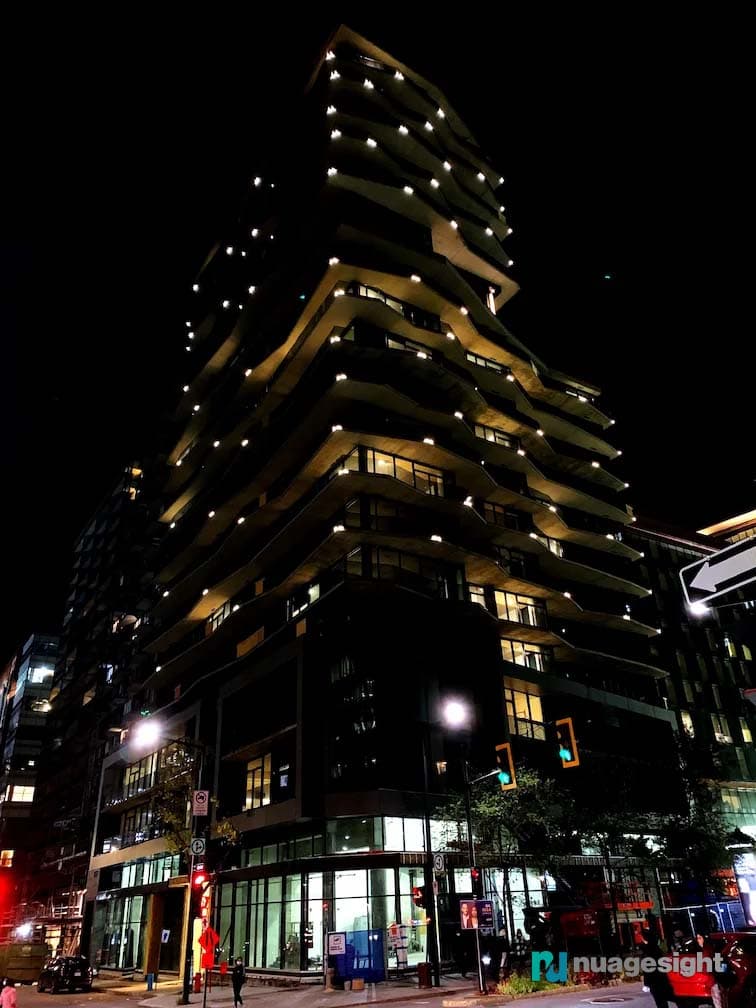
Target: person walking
{"type": "Point", "coordinates": [238, 977]}
{"type": "Point", "coordinates": [656, 981]}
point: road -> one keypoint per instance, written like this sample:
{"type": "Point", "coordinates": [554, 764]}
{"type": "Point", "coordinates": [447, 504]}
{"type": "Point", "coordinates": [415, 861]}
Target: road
{"type": "Point", "coordinates": [29, 997]}
{"type": "Point", "coordinates": [625, 996]}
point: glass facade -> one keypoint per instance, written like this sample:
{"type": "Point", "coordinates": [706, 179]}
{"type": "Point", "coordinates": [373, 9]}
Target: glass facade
{"type": "Point", "coordinates": [278, 923]}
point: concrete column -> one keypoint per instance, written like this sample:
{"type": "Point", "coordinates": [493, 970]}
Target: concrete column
{"type": "Point", "coordinates": [153, 932]}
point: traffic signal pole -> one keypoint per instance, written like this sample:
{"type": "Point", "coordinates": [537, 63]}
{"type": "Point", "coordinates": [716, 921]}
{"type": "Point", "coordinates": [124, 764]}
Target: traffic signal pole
{"type": "Point", "coordinates": [471, 851]}
{"type": "Point", "coordinates": [188, 943]}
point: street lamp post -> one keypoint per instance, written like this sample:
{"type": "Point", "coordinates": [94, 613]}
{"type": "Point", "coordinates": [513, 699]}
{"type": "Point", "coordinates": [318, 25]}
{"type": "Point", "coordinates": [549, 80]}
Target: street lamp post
{"type": "Point", "coordinates": [456, 715]}
{"type": "Point", "coordinates": [149, 733]}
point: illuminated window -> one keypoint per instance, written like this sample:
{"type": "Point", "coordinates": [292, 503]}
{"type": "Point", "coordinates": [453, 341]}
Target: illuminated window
{"type": "Point", "coordinates": [687, 723]}
{"type": "Point", "coordinates": [520, 609]}
{"type": "Point", "coordinates": [216, 617]}
{"type": "Point", "coordinates": [20, 793]}
{"type": "Point", "coordinates": [40, 673]}
{"type": "Point", "coordinates": [258, 782]}
{"type": "Point", "coordinates": [721, 728]}
{"type": "Point", "coordinates": [6, 858]}
{"type": "Point", "coordinates": [524, 714]}
{"type": "Point", "coordinates": [745, 730]}
{"type": "Point", "coordinates": [747, 652]}
{"type": "Point", "coordinates": [532, 656]}
{"type": "Point", "coordinates": [496, 436]}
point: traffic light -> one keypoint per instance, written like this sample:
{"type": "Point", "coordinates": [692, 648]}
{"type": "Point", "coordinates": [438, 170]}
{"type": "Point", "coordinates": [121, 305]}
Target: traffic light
{"type": "Point", "coordinates": [506, 775]}
{"type": "Point", "coordinates": [476, 882]}
{"type": "Point", "coordinates": [418, 895]}
{"type": "Point", "coordinates": [199, 881]}
{"type": "Point", "coordinates": [568, 750]}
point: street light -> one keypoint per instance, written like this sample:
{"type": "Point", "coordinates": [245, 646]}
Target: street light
{"type": "Point", "coordinates": [457, 715]}
{"type": "Point", "coordinates": [148, 734]}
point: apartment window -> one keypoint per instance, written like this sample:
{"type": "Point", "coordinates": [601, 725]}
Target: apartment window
{"type": "Point", "coordinates": [6, 858]}
{"type": "Point", "coordinates": [485, 362]}
{"type": "Point", "coordinates": [258, 782]}
{"type": "Point", "coordinates": [721, 728]}
{"type": "Point", "coordinates": [302, 599]}
{"type": "Point", "coordinates": [506, 517]}
{"type": "Point", "coordinates": [687, 690]}
{"type": "Point", "coordinates": [716, 697]}
{"type": "Point", "coordinates": [681, 663]}
{"type": "Point", "coordinates": [745, 731]}
{"type": "Point", "coordinates": [478, 594]}
{"type": "Point", "coordinates": [424, 478]}
{"type": "Point", "coordinates": [20, 793]}
{"type": "Point", "coordinates": [532, 656]}
{"type": "Point", "coordinates": [342, 669]}
{"type": "Point", "coordinates": [440, 769]}
{"type": "Point", "coordinates": [218, 615]}
{"type": "Point", "coordinates": [524, 714]}
{"type": "Point", "coordinates": [496, 436]}
{"type": "Point", "coordinates": [746, 652]}
{"type": "Point", "coordinates": [687, 724]}
{"type": "Point", "coordinates": [408, 345]}
{"type": "Point", "coordinates": [742, 764]}
{"type": "Point", "coordinates": [520, 609]}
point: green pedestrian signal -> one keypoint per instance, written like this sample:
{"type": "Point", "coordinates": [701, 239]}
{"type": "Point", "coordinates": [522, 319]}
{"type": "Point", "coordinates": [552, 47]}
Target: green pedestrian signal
{"type": "Point", "coordinates": [506, 774]}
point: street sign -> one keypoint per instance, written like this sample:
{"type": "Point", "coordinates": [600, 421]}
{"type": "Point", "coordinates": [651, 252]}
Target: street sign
{"type": "Point", "coordinates": [439, 864]}
{"type": "Point", "coordinates": [198, 845]}
{"type": "Point", "coordinates": [165, 937]}
{"type": "Point", "coordinates": [337, 943]}
{"type": "Point", "coordinates": [730, 568]}
{"type": "Point", "coordinates": [200, 802]}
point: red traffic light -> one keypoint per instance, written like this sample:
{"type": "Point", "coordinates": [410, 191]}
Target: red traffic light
{"type": "Point", "coordinates": [325, 906]}
{"type": "Point", "coordinates": [199, 877]}
{"type": "Point", "coordinates": [418, 896]}
{"type": "Point", "coordinates": [475, 874]}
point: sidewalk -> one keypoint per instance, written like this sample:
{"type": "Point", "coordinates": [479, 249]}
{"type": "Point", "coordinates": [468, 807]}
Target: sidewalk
{"type": "Point", "coordinates": [306, 995]}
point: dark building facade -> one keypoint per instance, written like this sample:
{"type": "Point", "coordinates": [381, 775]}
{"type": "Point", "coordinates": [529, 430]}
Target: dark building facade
{"type": "Point", "coordinates": [377, 499]}
{"type": "Point", "coordinates": [89, 696]}
{"type": "Point", "coordinates": [24, 707]}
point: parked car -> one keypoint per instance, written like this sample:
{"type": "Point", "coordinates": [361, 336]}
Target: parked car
{"type": "Point", "coordinates": [65, 973]}
{"type": "Point", "coordinates": [738, 949]}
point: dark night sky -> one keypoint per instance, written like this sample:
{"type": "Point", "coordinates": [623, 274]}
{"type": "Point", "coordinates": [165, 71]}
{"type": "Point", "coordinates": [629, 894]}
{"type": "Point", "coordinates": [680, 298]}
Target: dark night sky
{"type": "Point", "coordinates": [625, 149]}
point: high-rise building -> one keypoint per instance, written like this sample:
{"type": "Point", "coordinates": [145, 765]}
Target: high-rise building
{"type": "Point", "coordinates": [88, 698]}
{"type": "Point", "coordinates": [24, 705]}
{"type": "Point", "coordinates": [378, 500]}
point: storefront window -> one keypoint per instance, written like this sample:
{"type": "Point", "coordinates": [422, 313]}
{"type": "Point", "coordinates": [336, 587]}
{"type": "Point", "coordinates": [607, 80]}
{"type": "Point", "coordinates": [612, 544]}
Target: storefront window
{"type": "Point", "coordinates": [273, 925]}
{"type": "Point", "coordinates": [314, 921]}
{"type": "Point", "coordinates": [350, 835]}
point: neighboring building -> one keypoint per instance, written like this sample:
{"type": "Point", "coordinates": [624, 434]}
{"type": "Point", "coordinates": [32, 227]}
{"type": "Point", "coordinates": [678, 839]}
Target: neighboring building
{"type": "Point", "coordinates": [24, 705]}
{"type": "Point", "coordinates": [377, 499]}
{"type": "Point", "coordinates": [732, 530]}
{"type": "Point", "coordinates": [708, 654]}
{"type": "Point", "coordinates": [89, 694]}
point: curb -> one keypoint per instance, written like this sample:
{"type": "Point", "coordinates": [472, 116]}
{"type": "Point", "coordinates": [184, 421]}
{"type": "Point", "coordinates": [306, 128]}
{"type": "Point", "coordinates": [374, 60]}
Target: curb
{"type": "Point", "coordinates": [412, 993]}
{"type": "Point", "coordinates": [493, 1000]}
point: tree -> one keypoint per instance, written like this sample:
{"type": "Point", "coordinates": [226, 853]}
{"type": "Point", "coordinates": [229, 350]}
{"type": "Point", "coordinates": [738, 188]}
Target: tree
{"type": "Point", "coordinates": [531, 819]}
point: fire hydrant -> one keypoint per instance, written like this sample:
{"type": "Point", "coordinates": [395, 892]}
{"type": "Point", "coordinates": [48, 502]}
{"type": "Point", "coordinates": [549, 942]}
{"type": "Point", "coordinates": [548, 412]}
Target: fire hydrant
{"type": "Point", "coordinates": [197, 983]}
